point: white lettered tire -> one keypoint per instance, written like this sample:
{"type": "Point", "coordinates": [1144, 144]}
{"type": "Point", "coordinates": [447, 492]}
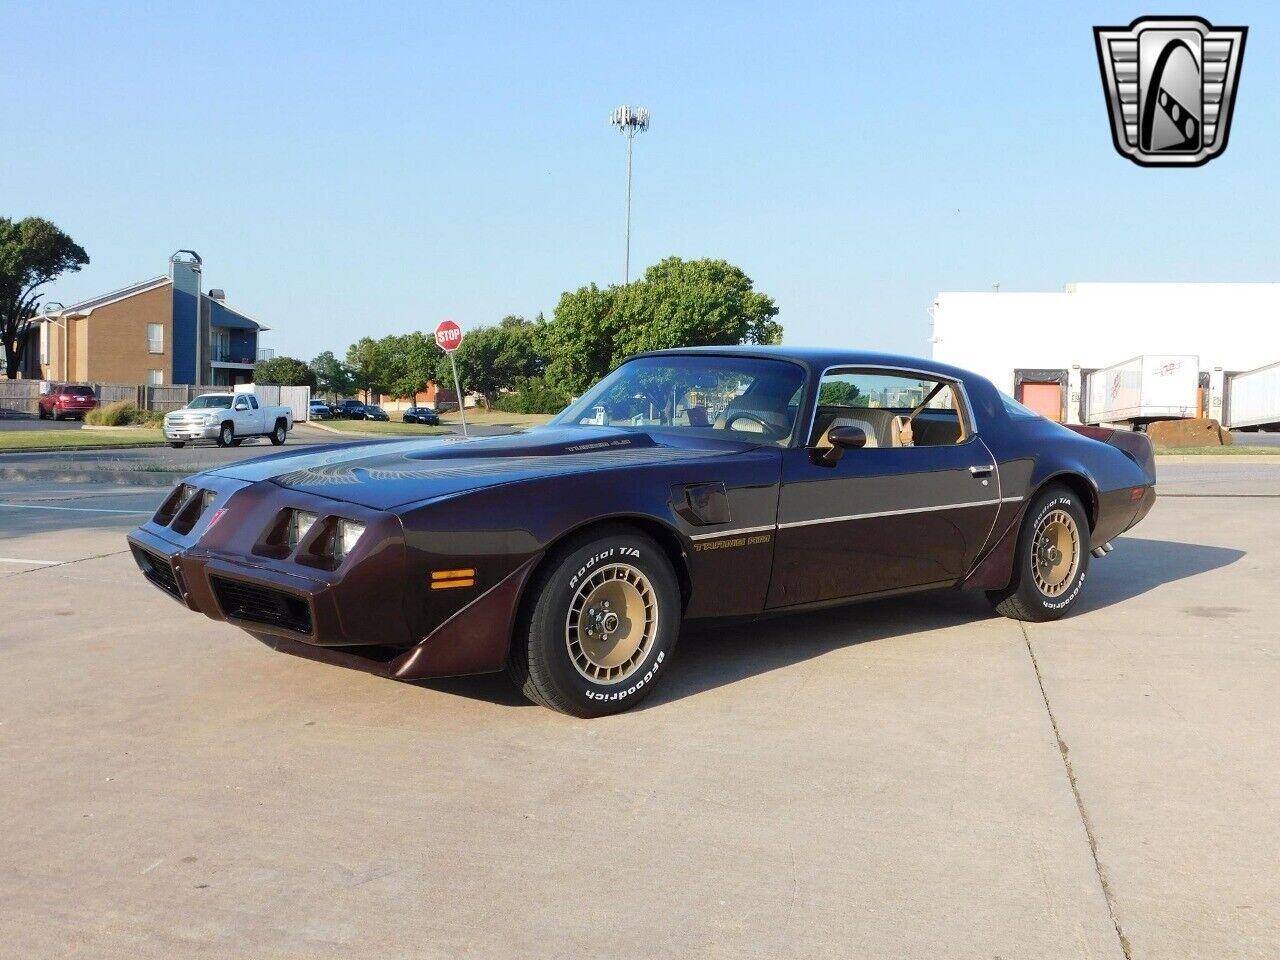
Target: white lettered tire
{"type": "Point", "coordinates": [1051, 561]}
{"type": "Point", "coordinates": [599, 624]}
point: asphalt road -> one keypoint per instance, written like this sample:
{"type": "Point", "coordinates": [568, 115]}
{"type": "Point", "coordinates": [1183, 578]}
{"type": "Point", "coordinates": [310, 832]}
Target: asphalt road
{"type": "Point", "coordinates": [912, 778]}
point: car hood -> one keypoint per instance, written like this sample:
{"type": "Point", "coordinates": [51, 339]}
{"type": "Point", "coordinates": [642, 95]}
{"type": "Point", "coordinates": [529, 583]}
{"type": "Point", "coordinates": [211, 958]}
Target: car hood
{"type": "Point", "coordinates": [384, 474]}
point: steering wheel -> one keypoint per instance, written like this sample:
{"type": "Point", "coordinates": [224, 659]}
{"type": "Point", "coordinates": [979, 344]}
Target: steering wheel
{"type": "Point", "coordinates": [769, 429]}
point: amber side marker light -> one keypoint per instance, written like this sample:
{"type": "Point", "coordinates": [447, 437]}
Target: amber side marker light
{"type": "Point", "coordinates": [453, 579]}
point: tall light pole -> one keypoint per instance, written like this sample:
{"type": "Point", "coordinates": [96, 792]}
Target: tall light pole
{"type": "Point", "coordinates": [630, 120]}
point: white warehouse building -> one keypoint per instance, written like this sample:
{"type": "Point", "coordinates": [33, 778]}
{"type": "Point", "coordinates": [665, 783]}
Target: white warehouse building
{"type": "Point", "coordinates": [1041, 347]}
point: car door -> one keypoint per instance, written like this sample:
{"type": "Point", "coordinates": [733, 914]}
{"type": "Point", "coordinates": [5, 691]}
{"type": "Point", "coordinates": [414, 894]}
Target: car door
{"type": "Point", "coordinates": [910, 509]}
{"type": "Point", "coordinates": [242, 416]}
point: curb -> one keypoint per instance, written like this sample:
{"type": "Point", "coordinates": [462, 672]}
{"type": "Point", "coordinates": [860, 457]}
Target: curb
{"type": "Point", "coordinates": [78, 447]}
{"type": "Point", "coordinates": [123, 478]}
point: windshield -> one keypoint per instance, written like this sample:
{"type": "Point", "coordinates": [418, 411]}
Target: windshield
{"type": "Point", "coordinates": [740, 398]}
{"type": "Point", "coordinates": [210, 401]}
{"type": "Point", "coordinates": [374, 409]}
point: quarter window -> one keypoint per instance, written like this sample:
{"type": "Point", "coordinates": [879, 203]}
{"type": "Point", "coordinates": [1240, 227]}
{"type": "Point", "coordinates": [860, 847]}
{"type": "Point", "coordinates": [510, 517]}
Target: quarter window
{"type": "Point", "coordinates": [155, 337]}
{"type": "Point", "coordinates": [893, 409]}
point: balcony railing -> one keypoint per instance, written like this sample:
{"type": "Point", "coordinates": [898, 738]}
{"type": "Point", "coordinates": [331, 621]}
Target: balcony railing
{"type": "Point", "coordinates": [221, 354]}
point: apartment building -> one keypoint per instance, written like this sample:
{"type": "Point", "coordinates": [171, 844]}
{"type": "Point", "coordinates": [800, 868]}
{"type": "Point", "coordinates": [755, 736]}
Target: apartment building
{"type": "Point", "coordinates": [163, 330]}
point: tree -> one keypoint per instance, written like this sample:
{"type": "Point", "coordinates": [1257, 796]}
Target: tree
{"type": "Point", "coordinates": [332, 375]}
{"type": "Point", "coordinates": [678, 303]}
{"type": "Point", "coordinates": [839, 393]}
{"type": "Point", "coordinates": [364, 361]}
{"type": "Point", "coordinates": [284, 372]}
{"type": "Point", "coordinates": [408, 362]}
{"type": "Point", "coordinates": [496, 358]}
{"type": "Point", "coordinates": [33, 252]}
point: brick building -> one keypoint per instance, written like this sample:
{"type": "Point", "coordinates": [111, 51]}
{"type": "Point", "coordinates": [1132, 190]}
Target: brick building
{"type": "Point", "coordinates": [162, 330]}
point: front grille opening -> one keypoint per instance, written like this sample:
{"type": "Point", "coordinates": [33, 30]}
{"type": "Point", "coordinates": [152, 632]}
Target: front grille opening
{"type": "Point", "coordinates": [260, 604]}
{"type": "Point", "coordinates": [158, 570]}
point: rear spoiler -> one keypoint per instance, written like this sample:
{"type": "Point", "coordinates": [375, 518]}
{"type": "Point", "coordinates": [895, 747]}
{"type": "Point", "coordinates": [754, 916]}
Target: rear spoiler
{"type": "Point", "coordinates": [1136, 446]}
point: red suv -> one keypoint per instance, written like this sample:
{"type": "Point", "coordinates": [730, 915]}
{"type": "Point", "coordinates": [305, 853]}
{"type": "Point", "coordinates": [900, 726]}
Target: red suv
{"type": "Point", "coordinates": [67, 400]}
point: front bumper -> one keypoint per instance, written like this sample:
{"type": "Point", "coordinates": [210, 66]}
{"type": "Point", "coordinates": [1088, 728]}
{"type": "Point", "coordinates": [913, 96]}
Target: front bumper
{"type": "Point", "coordinates": [360, 614]}
{"type": "Point", "coordinates": [190, 431]}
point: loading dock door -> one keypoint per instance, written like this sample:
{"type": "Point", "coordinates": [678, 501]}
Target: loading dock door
{"type": "Point", "coordinates": [1044, 398]}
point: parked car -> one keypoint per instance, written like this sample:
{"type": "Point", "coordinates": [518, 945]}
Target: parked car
{"type": "Point", "coordinates": [351, 409]}
{"type": "Point", "coordinates": [423, 415]}
{"type": "Point", "coordinates": [319, 410]}
{"type": "Point", "coordinates": [228, 418]}
{"type": "Point", "coordinates": [66, 400]}
{"type": "Point", "coordinates": [723, 482]}
{"type": "Point", "coordinates": [374, 412]}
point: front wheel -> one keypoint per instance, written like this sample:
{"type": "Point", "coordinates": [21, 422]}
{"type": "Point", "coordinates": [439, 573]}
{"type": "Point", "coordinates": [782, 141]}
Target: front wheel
{"type": "Point", "coordinates": [1051, 560]}
{"type": "Point", "coordinates": [601, 621]}
{"type": "Point", "coordinates": [278, 434]}
{"type": "Point", "coordinates": [226, 435]}
{"type": "Point", "coordinates": [177, 444]}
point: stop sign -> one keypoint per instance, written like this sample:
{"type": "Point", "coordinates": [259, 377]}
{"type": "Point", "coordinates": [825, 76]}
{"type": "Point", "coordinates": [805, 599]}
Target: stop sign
{"type": "Point", "coordinates": [448, 336]}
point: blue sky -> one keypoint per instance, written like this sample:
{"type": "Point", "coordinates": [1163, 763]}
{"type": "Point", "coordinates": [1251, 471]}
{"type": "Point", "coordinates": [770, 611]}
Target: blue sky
{"type": "Point", "coordinates": [350, 169]}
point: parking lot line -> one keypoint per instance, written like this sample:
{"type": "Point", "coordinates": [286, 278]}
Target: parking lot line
{"type": "Point", "coordinates": [31, 563]}
{"type": "Point", "coordinates": [35, 506]}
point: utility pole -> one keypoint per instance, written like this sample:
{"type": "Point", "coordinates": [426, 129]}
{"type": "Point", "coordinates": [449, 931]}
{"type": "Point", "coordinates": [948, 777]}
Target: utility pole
{"type": "Point", "coordinates": [629, 120]}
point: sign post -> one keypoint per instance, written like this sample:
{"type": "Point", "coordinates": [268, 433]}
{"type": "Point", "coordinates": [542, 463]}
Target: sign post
{"type": "Point", "coordinates": [449, 339]}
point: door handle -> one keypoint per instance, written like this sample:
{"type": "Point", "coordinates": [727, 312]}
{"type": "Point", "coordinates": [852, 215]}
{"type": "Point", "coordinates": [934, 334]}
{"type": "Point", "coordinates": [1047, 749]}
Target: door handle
{"type": "Point", "coordinates": [983, 470]}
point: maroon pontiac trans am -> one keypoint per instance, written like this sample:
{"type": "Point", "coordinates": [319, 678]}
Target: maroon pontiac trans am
{"type": "Point", "coordinates": [697, 483]}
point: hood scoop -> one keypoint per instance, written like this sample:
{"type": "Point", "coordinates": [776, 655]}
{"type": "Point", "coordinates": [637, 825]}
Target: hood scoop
{"type": "Point", "coordinates": [550, 442]}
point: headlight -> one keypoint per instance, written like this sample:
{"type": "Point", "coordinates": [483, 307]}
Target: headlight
{"type": "Point", "coordinates": [345, 538]}
{"type": "Point", "coordinates": [210, 418]}
{"type": "Point", "coordinates": [300, 522]}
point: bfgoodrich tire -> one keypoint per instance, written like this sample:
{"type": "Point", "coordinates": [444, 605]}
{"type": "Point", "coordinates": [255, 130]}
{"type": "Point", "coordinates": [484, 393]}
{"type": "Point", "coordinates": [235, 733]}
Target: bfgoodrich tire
{"type": "Point", "coordinates": [599, 625]}
{"type": "Point", "coordinates": [1052, 558]}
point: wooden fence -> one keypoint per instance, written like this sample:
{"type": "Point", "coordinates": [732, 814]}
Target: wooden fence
{"type": "Point", "coordinates": [21, 397]}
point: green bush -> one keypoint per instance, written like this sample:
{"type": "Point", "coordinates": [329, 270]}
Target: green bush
{"type": "Point", "coordinates": [532, 395]}
{"type": "Point", "coordinates": [118, 414]}
{"type": "Point", "coordinates": [123, 413]}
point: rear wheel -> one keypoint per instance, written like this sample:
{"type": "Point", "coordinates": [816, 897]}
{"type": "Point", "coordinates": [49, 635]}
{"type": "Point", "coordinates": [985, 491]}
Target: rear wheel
{"type": "Point", "coordinates": [1051, 560]}
{"type": "Point", "coordinates": [177, 444]}
{"type": "Point", "coordinates": [226, 435]}
{"type": "Point", "coordinates": [44, 414]}
{"type": "Point", "coordinates": [279, 434]}
{"type": "Point", "coordinates": [602, 617]}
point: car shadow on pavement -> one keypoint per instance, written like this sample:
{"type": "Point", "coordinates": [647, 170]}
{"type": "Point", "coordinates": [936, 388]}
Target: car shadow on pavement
{"type": "Point", "coordinates": [1138, 565]}
{"type": "Point", "coordinates": [714, 654]}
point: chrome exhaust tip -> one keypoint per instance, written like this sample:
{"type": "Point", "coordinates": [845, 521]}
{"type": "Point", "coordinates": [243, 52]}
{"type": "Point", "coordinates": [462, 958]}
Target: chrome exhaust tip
{"type": "Point", "coordinates": [1098, 552]}
{"type": "Point", "coordinates": [1108, 547]}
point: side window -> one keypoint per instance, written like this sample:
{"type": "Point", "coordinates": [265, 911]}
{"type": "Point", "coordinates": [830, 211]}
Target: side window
{"type": "Point", "coordinates": [893, 409]}
{"type": "Point", "coordinates": [253, 403]}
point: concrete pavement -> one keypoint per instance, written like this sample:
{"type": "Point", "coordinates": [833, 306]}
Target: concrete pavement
{"type": "Point", "coordinates": [907, 778]}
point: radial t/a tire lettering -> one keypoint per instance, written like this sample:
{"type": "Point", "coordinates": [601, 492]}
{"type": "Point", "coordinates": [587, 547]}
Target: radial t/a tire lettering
{"type": "Point", "coordinates": [599, 624]}
{"type": "Point", "coordinates": [1051, 561]}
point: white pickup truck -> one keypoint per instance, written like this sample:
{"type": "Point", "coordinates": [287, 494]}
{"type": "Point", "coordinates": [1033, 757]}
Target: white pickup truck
{"type": "Point", "coordinates": [228, 418]}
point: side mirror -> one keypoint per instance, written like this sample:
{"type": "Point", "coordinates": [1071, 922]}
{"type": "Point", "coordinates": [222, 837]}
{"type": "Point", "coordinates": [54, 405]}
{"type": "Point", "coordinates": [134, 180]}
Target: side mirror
{"type": "Point", "coordinates": [842, 439]}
